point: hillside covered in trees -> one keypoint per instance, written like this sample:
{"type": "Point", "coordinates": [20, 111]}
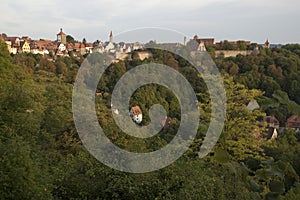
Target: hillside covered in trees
{"type": "Point", "coordinates": [42, 157]}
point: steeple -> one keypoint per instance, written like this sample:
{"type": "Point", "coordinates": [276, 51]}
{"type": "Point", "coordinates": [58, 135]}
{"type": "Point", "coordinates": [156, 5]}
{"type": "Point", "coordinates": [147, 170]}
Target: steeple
{"type": "Point", "coordinates": [111, 37]}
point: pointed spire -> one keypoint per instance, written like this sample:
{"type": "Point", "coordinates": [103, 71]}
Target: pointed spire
{"type": "Point", "coordinates": [111, 38]}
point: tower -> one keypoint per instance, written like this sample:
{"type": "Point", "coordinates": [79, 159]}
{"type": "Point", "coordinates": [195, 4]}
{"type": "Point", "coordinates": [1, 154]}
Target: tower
{"type": "Point", "coordinates": [267, 44]}
{"type": "Point", "coordinates": [61, 37]}
{"type": "Point", "coordinates": [111, 37]}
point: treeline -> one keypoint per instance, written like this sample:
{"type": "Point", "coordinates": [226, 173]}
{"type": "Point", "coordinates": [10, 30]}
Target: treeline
{"type": "Point", "coordinates": [41, 155]}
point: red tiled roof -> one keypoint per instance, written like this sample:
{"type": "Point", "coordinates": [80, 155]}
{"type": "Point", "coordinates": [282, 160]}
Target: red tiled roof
{"type": "Point", "coordinates": [89, 45]}
{"type": "Point", "coordinates": [136, 110]}
{"type": "Point", "coordinates": [82, 45]}
{"type": "Point", "coordinates": [69, 46]}
{"type": "Point", "coordinates": [77, 45]}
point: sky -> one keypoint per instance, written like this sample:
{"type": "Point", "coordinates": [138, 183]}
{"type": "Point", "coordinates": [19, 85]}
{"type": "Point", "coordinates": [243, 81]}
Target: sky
{"type": "Point", "coordinates": [255, 20]}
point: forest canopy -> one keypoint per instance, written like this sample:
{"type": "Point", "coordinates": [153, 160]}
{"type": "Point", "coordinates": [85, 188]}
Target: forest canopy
{"type": "Point", "coordinates": [42, 157]}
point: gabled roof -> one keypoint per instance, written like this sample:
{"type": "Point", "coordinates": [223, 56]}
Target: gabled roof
{"type": "Point", "coordinates": [294, 118]}
{"type": "Point", "coordinates": [271, 121]}
{"type": "Point", "coordinates": [46, 44]}
{"type": "Point", "coordinates": [136, 110]}
{"type": "Point", "coordinates": [22, 43]}
{"type": "Point", "coordinates": [12, 39]}
{"type": "Point", "coordinates": [293, 122]}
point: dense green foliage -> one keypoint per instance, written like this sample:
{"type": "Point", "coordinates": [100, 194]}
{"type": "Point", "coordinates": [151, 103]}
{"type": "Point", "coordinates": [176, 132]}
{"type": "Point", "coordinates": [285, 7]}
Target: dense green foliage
{"type": "Point", "coordinates": [41, 156]}
{"type": "Point", "coordinates": [276, 72]}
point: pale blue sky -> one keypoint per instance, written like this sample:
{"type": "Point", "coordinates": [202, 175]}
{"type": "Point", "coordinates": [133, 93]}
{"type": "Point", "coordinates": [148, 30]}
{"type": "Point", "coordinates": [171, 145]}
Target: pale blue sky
{"type": "Point", "coordinates": [254, 20]}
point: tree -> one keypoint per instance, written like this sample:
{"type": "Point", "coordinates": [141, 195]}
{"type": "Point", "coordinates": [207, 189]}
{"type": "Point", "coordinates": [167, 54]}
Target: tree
{"type": "Point", "coordinates": [70, 39]}
{"type": "Point", "coordinates": [237, 137]}
{"type": "Point", "coordinates": [234, 69]}
{"type": "Point", "coordinates": [47, 65]}
{"type": "Point", "coordinates": [26, 61]}
{"type": "Point", "coordinates": [61, 68]}
{"type": "Point", "coordinates": [241, 45]}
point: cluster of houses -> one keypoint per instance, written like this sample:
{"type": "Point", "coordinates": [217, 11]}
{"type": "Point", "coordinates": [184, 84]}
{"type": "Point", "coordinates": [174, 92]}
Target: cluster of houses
{"type": "Point", "coordinates": [272, 124]}
{"type": "Point", "coordinates": [60, 47]}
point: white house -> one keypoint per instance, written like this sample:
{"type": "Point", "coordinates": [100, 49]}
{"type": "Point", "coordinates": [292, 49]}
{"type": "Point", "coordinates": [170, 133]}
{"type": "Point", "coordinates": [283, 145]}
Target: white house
{"type": "Point", "coordinates": [110, 46]}
{"type": "Point", "coordinates": [136, 114]}
{"type": "Point", "coordinates": [61, 47]}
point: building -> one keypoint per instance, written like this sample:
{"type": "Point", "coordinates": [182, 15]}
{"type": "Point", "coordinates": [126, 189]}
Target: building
{"type": "Point", "coordinates": [206, 41]}
{"type": "Point", "coordinates": [271, 121]}
{"type": "Point", "coordinates": [61, 47]}
{"type": "Point", "coordinates": [24, 47]}
{"type": "Point", "coordinates": [272, 127]}
{"type": "Point", "coordinates": [45, 46]}
{"type": "Point", "coordinates": [89, 48]}
{"type": "Point", "coordinates": [61, 37]}
{"type": "Point", "coordinates": [293, 122]}
{"type": "Point", "coordinates": [136, 114]}
{"type": "Point", "coordinates": [82, 49]}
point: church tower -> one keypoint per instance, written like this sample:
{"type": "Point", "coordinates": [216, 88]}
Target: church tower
{"type": "Point", "coordinates": [111, 37]}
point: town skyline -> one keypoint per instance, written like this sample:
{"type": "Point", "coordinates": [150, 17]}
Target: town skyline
{"type": "Point", "coordinates": [118, 37]}
{"type": "Point", "coordinates": [105, 37]}
{"type": "Point", "coordinates": [232, 19]}
{"type": "Point", "coordinates": [66, 45]}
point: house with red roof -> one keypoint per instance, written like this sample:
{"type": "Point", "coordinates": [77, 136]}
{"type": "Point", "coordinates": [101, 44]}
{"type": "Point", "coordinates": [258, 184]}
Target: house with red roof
{"type": "Point", "coordinates": [293, 122]}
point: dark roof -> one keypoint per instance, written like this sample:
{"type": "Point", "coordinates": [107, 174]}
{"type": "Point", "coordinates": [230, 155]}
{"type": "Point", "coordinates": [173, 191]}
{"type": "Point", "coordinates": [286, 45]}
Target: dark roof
{"type": "Point", "coordinates": [12, 39]}
{"type": "Point", "coordinates": [293, 122]}
{"type": "Point", "coordinates": [271, 121]}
